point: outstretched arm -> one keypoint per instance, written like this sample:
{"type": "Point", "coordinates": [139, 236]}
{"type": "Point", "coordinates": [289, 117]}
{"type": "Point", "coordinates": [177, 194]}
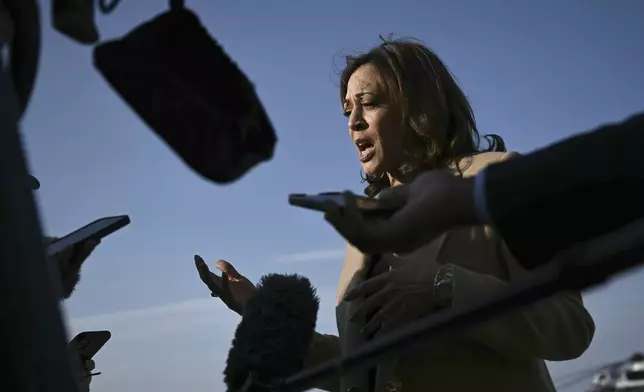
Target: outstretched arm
{"type": "Point", "coordinates": [588, 184]}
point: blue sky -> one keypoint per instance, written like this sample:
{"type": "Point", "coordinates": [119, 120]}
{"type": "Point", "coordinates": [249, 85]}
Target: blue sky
{"type": "Point", "coordinates": [535, 72]}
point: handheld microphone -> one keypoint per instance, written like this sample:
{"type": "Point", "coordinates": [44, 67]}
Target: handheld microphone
{"type": "Point", "coordinates": [275, 334]}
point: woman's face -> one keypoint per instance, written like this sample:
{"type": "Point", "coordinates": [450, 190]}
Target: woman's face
{"type": "Point", "coordinates": [374, 124]}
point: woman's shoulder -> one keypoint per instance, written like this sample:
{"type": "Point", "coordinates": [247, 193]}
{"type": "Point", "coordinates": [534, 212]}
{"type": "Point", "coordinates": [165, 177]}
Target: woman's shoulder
{"type": "Point", "coordinates": [486, 158]}
{"type": "Point", "coordinates": [472, 164]}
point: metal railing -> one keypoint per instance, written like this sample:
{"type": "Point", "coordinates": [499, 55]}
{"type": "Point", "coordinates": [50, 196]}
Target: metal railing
{"type": "Point", "coordinates": [580, 267]}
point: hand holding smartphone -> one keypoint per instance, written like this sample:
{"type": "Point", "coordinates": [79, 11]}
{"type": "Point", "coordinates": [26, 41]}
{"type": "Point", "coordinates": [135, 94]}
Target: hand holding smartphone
{"type": "Point", "coordinates": [94, 231]}
{"type": "Point", "coordinates": [367, 205]}
{"type": "Point", "coordinates": [89, 343]}
{"type": "Point", "coordinates": [84, 347]}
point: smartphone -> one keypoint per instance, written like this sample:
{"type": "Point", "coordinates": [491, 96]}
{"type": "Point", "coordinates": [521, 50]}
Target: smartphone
{"type": "Point", "coordinates": [368, 205]}
{"type": "Point", "coordinates": [94, 231]}
{"type": "Point", "coordinates": [89, 343]}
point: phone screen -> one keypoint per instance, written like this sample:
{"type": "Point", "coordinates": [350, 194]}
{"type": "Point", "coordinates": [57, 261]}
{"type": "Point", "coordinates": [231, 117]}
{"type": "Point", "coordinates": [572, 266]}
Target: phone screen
{"type": "Point", "coordinates": [95, 230]}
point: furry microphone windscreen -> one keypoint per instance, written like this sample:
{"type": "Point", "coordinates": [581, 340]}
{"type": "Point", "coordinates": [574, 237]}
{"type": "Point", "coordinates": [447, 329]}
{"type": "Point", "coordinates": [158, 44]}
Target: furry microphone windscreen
{"type": "Point", "coordinates": [187, 89]}
{"type": "Point", "coordinates": [275, 334]}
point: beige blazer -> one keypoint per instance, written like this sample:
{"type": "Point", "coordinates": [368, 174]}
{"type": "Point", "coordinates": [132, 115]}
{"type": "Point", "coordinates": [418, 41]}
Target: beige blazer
{"type": "Point", "coordinates": [504, 354]}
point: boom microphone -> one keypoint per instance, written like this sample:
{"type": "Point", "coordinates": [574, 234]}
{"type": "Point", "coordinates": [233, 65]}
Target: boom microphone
{"type": "Point", "coordinates": [275, 334]}
{"type": "Point", "coordinates": [185, 87]}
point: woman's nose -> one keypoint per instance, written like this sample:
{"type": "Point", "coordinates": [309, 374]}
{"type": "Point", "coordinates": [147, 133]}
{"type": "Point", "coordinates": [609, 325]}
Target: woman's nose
{"type": "Point", "coordinates": [356, 121]}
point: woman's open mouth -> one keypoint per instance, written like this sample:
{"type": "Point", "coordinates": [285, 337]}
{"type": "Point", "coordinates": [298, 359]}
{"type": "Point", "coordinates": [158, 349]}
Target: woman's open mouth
{"type": "Point", "coordinates": [366, 150]}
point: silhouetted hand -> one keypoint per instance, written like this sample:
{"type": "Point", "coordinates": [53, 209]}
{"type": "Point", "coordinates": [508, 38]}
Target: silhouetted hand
{"type": "Point", "coordinates": [434, 202]}
{"type": "Point", "coordinates": [231, 287]}
{"type": "Point", "coordinates": [83, 369]}
{"type": "Point", "coordinates": [84, 377]}
{"type": "Point", "coordinates": [69, 263]}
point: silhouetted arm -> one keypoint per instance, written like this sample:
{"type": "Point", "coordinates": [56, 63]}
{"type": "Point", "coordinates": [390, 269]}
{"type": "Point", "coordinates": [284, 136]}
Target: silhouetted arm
{"type": "Point", "coordinates": [570, 192]}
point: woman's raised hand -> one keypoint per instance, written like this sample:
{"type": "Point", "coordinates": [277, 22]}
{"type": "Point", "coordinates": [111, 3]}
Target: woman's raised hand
{"type": "Point", "coordinates": [231, 287]}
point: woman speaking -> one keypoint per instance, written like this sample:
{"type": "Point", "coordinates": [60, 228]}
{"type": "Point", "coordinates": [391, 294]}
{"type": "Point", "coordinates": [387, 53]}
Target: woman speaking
{"type": "Point", "coordinates": [407, 115]}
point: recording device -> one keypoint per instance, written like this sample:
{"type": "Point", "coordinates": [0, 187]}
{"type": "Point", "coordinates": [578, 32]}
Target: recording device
{"type": "Point", "coordinates": [89, 343]}
{"type": "Point", "coordinates": [186, 88]}
{"type": "Point", "coordinates": [367, 205]}
{"type": "Point", "coordinates": [275, 334]}
{"type": "Point", "coordinates": [94, 231]}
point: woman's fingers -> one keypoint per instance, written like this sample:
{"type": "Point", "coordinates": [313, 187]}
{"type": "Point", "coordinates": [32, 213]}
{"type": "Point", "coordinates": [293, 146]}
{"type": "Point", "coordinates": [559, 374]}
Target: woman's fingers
{"type": "Point", "coordinates": [212, 281]}
{"type": "Point", "coordinates": [398, 317]}
{"type": "Point", "coordinates": [228, 269]}
{"type": "Point", "coordinates": [202, 268]}
{"type": "Point", "coordinates": [381, 317]}
{"type": "Point", "coordinates": [369, 305]}
{"type": "Point", "coordinates": [394, 321]}
{"type": "Point", "coordinates": [227, 296]}
{"type": "Point", "coordinates": [224, 284]}
{"type": "Point", "coordinates": [368, 287]}
{"type": "Point", "coordinates": [199, 262]}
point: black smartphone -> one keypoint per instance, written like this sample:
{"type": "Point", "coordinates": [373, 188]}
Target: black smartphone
{"type": "Point", "coordinates": [367, 205]}
{"type": "Point", "coordinates": [89, 343]}
{"type": "Point", "coordinates": [94, 231]}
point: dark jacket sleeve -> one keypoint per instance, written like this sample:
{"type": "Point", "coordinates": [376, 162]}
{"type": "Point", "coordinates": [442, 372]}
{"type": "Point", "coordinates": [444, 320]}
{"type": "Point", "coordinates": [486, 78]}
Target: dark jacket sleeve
{"type": "Point", "coordinates": [569, 192]}
{"type": "Point", "coordinates": [323, 348]}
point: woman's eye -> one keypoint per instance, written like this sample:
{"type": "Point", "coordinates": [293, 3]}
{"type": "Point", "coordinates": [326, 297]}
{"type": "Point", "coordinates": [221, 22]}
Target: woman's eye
{"type": "Point", "coordinates": [346, 114]}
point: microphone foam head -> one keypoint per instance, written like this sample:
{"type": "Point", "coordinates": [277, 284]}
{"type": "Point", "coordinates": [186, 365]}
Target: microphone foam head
{"type": "Point", "coordinates": [275, 333]}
